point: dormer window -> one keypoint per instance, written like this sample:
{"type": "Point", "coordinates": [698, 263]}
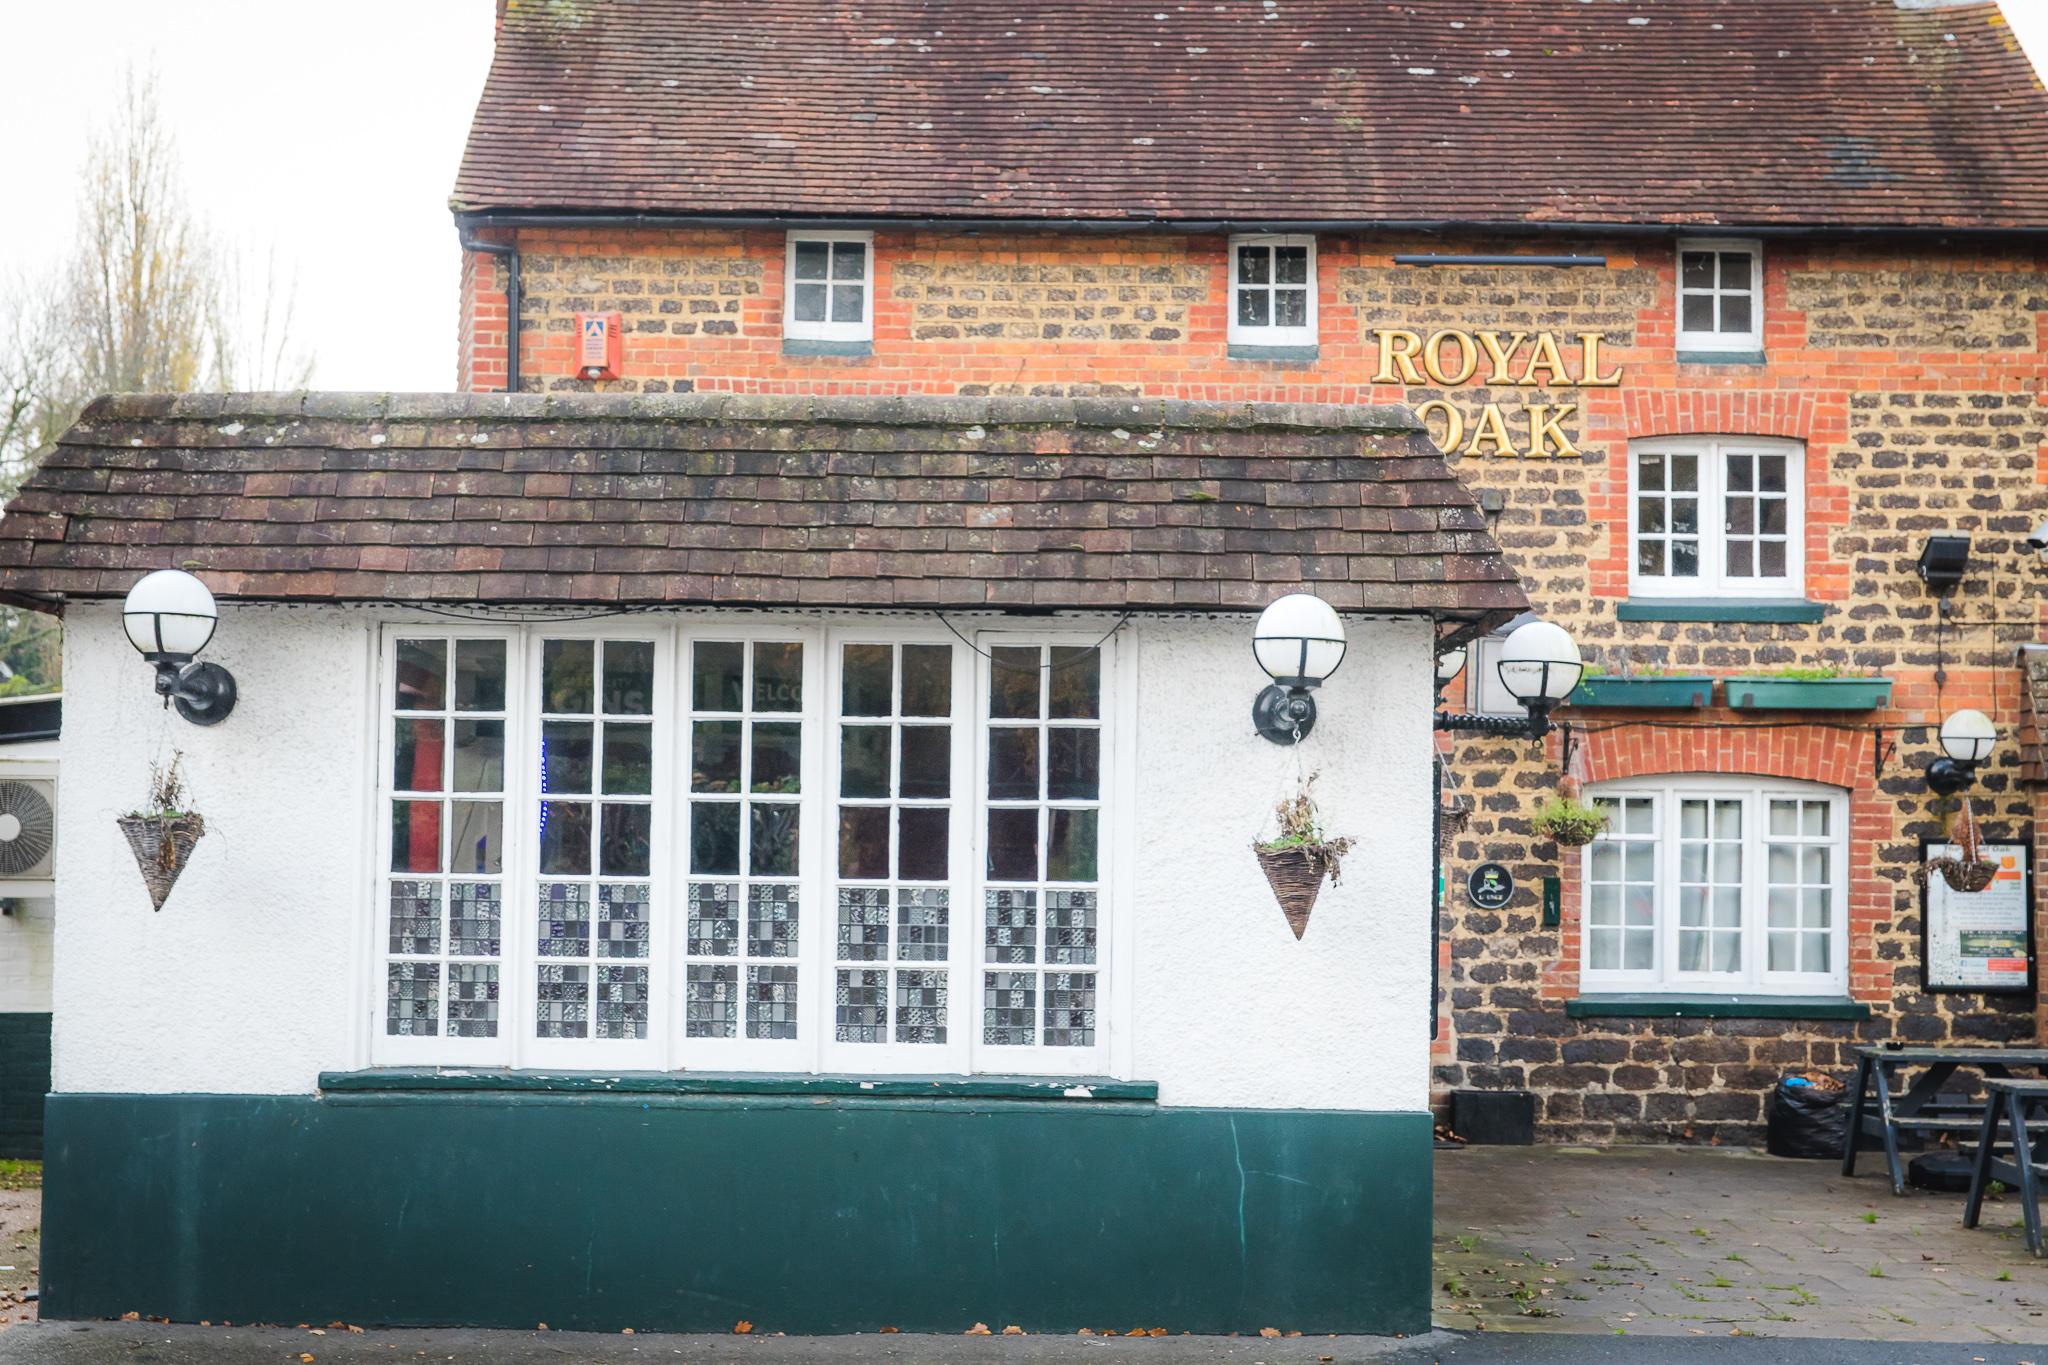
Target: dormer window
{"type": "Point", "coordinates": [1720, 296]}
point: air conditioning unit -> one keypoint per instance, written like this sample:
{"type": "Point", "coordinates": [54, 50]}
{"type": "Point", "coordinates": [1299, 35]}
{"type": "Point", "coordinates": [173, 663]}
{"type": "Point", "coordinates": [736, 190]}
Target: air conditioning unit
{"type": "Point", "coordinates": [28, 837]}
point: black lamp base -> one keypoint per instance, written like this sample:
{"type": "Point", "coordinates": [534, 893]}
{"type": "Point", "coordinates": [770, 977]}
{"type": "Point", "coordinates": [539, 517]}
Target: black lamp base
{"type": "Point", "coordinates": [1282, 714]}
{"type": "Point", "coordinates": [205, 693]}
{"type": "Point", "coordinates": [1946, 777]}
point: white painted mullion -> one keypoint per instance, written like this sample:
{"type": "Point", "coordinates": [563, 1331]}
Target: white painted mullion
{"type": "Point", "coordinates": [817, 861]}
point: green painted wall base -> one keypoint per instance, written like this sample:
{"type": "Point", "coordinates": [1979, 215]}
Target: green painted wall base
{"type": "Point", "coordinates": [689, 1213]}
{"type": "Point", "coordinates": [24, 1080]}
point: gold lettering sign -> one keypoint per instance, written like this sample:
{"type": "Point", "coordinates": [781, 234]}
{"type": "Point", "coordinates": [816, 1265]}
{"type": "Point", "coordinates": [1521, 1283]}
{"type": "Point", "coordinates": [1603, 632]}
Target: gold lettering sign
{"type": "Point", "coordinates": [1450, 357]}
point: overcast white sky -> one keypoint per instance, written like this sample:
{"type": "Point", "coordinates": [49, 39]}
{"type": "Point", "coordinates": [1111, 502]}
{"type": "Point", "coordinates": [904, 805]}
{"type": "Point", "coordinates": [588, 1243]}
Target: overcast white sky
{"type": "Point", "coordinates": [330, 132]}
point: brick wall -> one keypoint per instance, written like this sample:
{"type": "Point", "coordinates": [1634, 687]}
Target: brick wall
{"type": "Point", "coordinates": [1914, 375]}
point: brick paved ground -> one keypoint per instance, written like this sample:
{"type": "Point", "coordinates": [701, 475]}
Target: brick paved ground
{"type": "Point", "coordinates": [1711, 1241]}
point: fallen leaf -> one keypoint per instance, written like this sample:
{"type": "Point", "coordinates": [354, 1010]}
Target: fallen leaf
{"type": "Point", "coordinates": [1135, 1332]}
{"type": "Point", "coordinates": [305, 1358]}
{"type": "Point", "coordinates": [888, 1330]}
{"type": "Point", "coordinates": [131, 1317]}
{"type": "Point", "coordinates": [742, 1327]}
{"type": "Point", "coordinates": [980, 1329]}
{"type": "Point", "coordinates": [625, 1331]}
{"type": "Point", "coordinates": [542, 1328]}
{"type": "Point", "coordinates": [1085, 1332]}
{"type": "Point", "coordinates": [1013, 1330]}
{"type": "Point", "coordinates": [1269, 1331]}
{"type": "Point", "coordinates": [1156, 1332]}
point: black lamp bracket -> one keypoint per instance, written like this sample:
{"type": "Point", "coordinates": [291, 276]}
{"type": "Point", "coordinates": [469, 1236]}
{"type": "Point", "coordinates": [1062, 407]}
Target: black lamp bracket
{"type": "Point", "coordinates": [1535, 725]}
{"type": "Point", "coordinates": [1284, 715]}
{"type": "Point", "coordinates": [203, 693]}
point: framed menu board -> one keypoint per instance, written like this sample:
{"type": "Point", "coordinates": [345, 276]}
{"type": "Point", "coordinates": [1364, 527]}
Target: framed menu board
{"type": "Point", "coordinates": [1980, 942]}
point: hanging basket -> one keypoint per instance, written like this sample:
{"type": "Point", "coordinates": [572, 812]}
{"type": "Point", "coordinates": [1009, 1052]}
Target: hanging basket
{"type": "Point", "coordinates": [1453, 818]}
{"type": "Point", "coordinates": [1970, 871]}
{"type": "Point", "coordinates": [1296, 876]}
{"type": "Point", "coordinates": [162, 845]}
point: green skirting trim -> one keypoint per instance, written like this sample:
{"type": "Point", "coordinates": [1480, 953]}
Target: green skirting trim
{"type": "Point", "coordinates": [1715, 1007]}
{"type": "Point", "coordinates": [1063, 1089]}
{"type": "Point", "coordinates": [1789, 611]}
{"type": "Point", "coordinates": [24, 1080]}
{"type": "Point", "coordinates": [688, 1213]}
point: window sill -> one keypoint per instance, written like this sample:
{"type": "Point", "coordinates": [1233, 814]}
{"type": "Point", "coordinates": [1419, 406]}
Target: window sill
{"type": "Point", "coordinates": [1686, 357]}
{"type": "Point", "coordinates": [1308, 354]}
{"type": "Point", "coordinates": [816, 346]}
{"type": "Point", "coordinates": [1787, 610]}
{"type": "Point", "coordinates": [1054, 1089]}
{"type": "Point", "coordinates": [1653, 1005]}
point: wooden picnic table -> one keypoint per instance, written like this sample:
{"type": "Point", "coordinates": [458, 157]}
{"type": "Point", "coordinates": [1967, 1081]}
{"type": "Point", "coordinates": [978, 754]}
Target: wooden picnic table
{"type": "Point", "coordinates": [2016, 1104]}
{"type": "Point", "coordinates": [1920, 1108]}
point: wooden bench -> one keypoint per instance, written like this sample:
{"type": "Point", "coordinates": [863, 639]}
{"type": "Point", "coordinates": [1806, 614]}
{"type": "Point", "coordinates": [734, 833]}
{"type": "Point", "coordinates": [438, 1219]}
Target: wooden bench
{"type": "Point", "coordinates": [1878, 1108]}
{"type": "Point", "coordinates": [2022, 1108]}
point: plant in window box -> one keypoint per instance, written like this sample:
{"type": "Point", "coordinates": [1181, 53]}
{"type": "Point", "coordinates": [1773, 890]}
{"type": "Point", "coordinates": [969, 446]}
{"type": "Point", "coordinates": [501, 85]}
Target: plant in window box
{"type": "Point", "coordinates": [1568, 820]}
{"type": "Point", "coordinates": [1300, 855]}
{"type": "Point", "coordinates": [163, 833]}
{"type": "Point", "coordinates": [1969, 871]}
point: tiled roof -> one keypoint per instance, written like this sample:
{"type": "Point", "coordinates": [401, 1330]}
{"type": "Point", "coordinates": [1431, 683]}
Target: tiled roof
{"type": "Point", "coordinates": [1692, 112]}
{"type": "Point", "coordinates": [757, 501]}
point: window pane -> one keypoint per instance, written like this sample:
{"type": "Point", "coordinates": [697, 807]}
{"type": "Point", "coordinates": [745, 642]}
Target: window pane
{"type": "Point", "coordinates": [778, 677]}
{"type": "Point", "coordinates": [1014, 679]}
{"type": "Point", "coordinates": [565, 838]}
{"type": "Point", "coordinates": [1639, 817]}
{"type": "Point", "coordinates": [1012, 764]}
{"type": "Point", "coordinates": [922, 924]}
{"type": "Point", "coordinates": [1070, 846]}
{"type": "Point", "coordinates": [1771, 559]}
{"type": "Point", "coordinates": [1735, 270]}
{"type": "Point", "coordinates": [715, 676]}
{"type": "Point", "coordinates": [1771, 516]}
{"type": "Point", "coordinates": [715, 837]}
{"type": "Point", "coordinates": [1692, 820]}
{"type": "Point", "coordinates": [1650, 473]}
{"type": "Point", "coordinates": [1735, 313]}
{"type": "Point", "coordinates": [1290, 308]}
{"type": "Point", "coordinates": [864, 842]}
{"type": "Point", "coordinates": [479, 675]}
{"type": "Point", "coordinates": [1076, 684]}
{"type": "Point", "coordinates": [1685, 559]}
{"type": "Point", "coordinates": [715, 756]}
{"type": "Point", "coordinates": [772, 921]}
{"type": "Point", "coordinates": [1692, 951]}
{"type": "Point", "coordinates": [778, 757]}
{"type": "Point", "coordinates": [813, 259]}
{"type": "Point", "coordinates": [1685, 516]}
{"type": "Point", "coordinates": [1073, 763]}
{"type": "Point", "coordinates": [566, 676]}
{"type": "Point", "coordinates": [1783, 955]}
{"type": "Point", "coordinates": [566, 749]}
{"type": "Point", "coordinates": [1739, 559]}
{"type": "Point", "coordinates": [863, 928]}
{"type": "Point", "coordinates": [1698, 314]}
{"type": "Point", "coordinates": [849, 260]}
{"type": "Point", "coordinates": [628, 836]}
{"type": "Point", "coordinates": [476, 838]}
{"type": "Point", "coordinates": [808, 303]}
{"type": "Point", "coordinates": [1252, 264]}
{"type": "Point", "coordinates": [1685, 473]}
{"type": "Point", "coordinates": [628, 759]}
{"type": "Point", "coordinates": [927, 680]}
{"type": "Point", "coordinates": [629, 677]}
{"type": "Point", "coordinates": [1813, 817]}
{"type": "Point", "coordinates": [1605, 951]}
{"type": "Point", "coordinates": [864, 680]}
{"type": "Point", "coordinates": [927, 773]}
{"type": "Point", "coordinates": [1009, 1008]}
{"type": "Point", "coordinates": [1771, 473]}
{"type": "Point", "coordinates": [863, 760]}
{"type": "Point", "coordinates": [1637, 952]}
{"type": "Point", "coordinates": [1650, 558]}
{"type": "Point", "coordinates": [1642, 862]}
{"type": "Point", "coordinates": [1254, 308]}
{"type": "Point", "coordinates": [422, 675]}
{"type": "Point", "coordinates": [921, 844]}
{"type": "Point", "coordinates": [1696, 269]}
{"type": "Point", "coordinates": [772, 850]}
{"type": "Point", "coordinates": [1650, 515]}
{"type": "Point", "coordinates": [415, 836]}
{"type": "Point", "coordinates": [1739, 470]}
{"type": "Point", "coordinates": [1010, 926]}
{"type": "Point", "coordinates": [1290, 265]}
{"type": "Point", "coordinates": [1727, 955]}
{"type": "Point", "coordinates": [1013, 845]}
{"type": "Point", "coordinates": [711, 1001]}
{"type": "Point", "coordinates": [479, 755]}
{"type": "Point", "coordinates": [848, 302]}
{"type": "Point", "coordinates": [1727, 819]}
{"type": "Point", "coordinates": [417, 753]}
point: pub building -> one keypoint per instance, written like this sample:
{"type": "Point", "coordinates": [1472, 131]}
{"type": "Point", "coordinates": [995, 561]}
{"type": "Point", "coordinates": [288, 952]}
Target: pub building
{"type": "Point", "coordinates": [747, 811]}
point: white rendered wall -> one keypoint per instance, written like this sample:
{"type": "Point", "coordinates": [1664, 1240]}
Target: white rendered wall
{"type": "Point", "coordinates": [253, 977]}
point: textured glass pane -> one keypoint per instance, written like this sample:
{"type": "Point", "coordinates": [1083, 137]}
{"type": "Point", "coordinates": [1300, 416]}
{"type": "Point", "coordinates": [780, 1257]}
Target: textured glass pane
{"type": "Point", "coordinates": [1603, 904]}
{"type": "Point", "coordinates": [1638, 951]}
{"type": "Point", "coordinates": [566, 752]}
{"type": "Point", "coordinates": [1253, 264]}
{"type": "Point", "coordinates": [564, 919]}
{"type": "Point", "coordinates": [772, 921]}
{"type": "Point", "coordinates": [417, 750]}
{"type": "Point", "coordinates": [1698, 313]}
{"type": "Point", "coordinates": [1692, 950]}
{"type": "Point", "coordinates": [415, 917]}
{"type": "Point", "coordinates": [1781, 863]}
{"type": "Point", "coordinates": [621, 1009]}
{"type": "Point", "coordinates": [1013, 845]}
{"type": "Point", "coordinates": [476, 837]}
{"type": "Point", "coordinates": [1685, 473]}
{"type": "Point", "coordinates": [1076, 684]}
{"type": "Point", "coordinates": [472, 1000]}
{"type": "Point", "coordinates": [475, 919]}
{"type": "Point", "coordinates": [1009, 1008]}
{"type": "Point", "coordinates": [864, 841]}
{"type": "Point", "coordinates": [1814, 866]}
{"type": "Point", "coordinates": [1741, 518]}
{"type": "Point", "coordinates": [860, 1006]}
{"type": "Point", "coordinates": [713, 925]}
{"type": "Point", "coordinates": [927, 772]}
{"type": "Point", "coordinates": [567, 675]}
{"type": "Point", "coordinates": [629, 677]}
{"type": "Point", "coordinates": [1010, 926]}
{"type": "Point", "coordinates": [1771, 473]}
{"type": "Point", "coordinates": [921, 844]}
{"type": "Point", "coordinates": [716, 681]}
{"type": "Point", "coordinates": [1735, 269]}
{"type": "Point", "coordinates": [1685, 559]}
{"type": "Point", "coordinates": [1604, 950]}
{"type": "Point", "coordinates": [479, 675]}
{"type": "Point", "coordinates": [863, 925]}
{"type": "Point", "coordinates": [1290, 309]}
{"type": "Point", "coordinates": [1606, 862]}
{"type": "Point", "coordinates": [865, 680]}
{"type": "Point", "coordinates": [1070, 846]}
{"type": "Point", "coordinates": [1639, 906]}
{"type": "Point", "coordinates": [1685, 516]}
{"type": "Point", "coordinates": [1727, 819]}
{"type": "Point", "coordinates": [1813, 908]}
{"type": "Point", "coordinates": [1692, 862]}
{"type": "Point", "coordinates": [1728, 907]}
{"type": "Point", "coordinates": [1735, 313]}
{"type": "Point", "coordinates": [1070, 926]}
{"type": "Point", "coordinates": [711, 1001]}
{"type": "Point", "coordinates": [1642, 862]}
{"type": "Point", "coordinates": [1650, 473]}
{"type": "Point", "coordinates": [1639, 817]}
{"type": "Point", "coordinates": [1070, 1009]}
{"type": "Point", "coordinates": [1813, 817]}
{"type": "Point", "coordinates": [1771, 559]}
{"type": "Point", "coordinates": [922, 923]}
{"type": "Point", "coordinates": [813, 259]}
{"type": "Point", "coordinates": [1696, 269]}
{"type": "Point", "coordinates": [1782, 909]}
{"type": "Point", "coordinates": [1254, 308]}
{"type": "Point", "coordinates": [1727, 863]}
{"type": "Point", "coordinates": [714, 836]}
{"type": "Point", "coordinates": [864, 760]}
{"type": "Point", "coordinates": [1692, 906]}
{"type": "Point", "coordinates": [1290, 265]}
{"type": "Point", "coordinates": [1771, 516]}
{"type": "Point", "coordinates": [1727, 952]}
{"type": "Point", "coordinates": [772, 852]}
{"type": "Point", "coordinates": [808, 304]}
{"type": "Point", "coordinates": [927, 680]}
{"type": "Point", "coordinates": [849, 260]}
{"type": "Point", "coordinates": [1012, 764]}
{"type": "Point", "coordinates": [412, 999]}
{"type": "Point", "coordinates": [415, 836]}
{"type": "Point", "coordinates": [1014, 676]}
{"type": "Point", "coordinates": [1784, 820]}
{"type": "Point", "coordinates": [848, 302]}
{"type": "Point", "coordinates": [778, 677]}
{"type": "Point", "coordinates": [778, 757]}
{"type": "Point", "coordinates": [921, 1007]}
{"type": "Point", "coordinates": [422, 675]}
{"type": "Point", "coordinates": [628, 759]}
{"type": "Point", "coordinates": [715, 756]}
{"type": "Point", "coordinates": [563, 1009]}
{"type": "Point", "coordinates": [627, 843]}
{"type": "Point", "coordinates": [479, 755]}
{"type": "Point", "coordinates": [1650, 516]}
{"type": "Point", "coordinates": [565, 838]}
{"type": "Point", "coordinates": [623, 920]}
{"type": "Point", "coordinates": [1783, 952]}
{"type": "Point", "coordinates": [771, 1002]}
{"type": "Point", "coordinates": [1650, 558]}
{"type": "Point", "coordinates": [1739, 471]}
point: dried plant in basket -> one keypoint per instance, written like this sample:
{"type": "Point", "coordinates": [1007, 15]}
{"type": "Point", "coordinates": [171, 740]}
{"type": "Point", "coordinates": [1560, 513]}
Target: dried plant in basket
{"type": "Point", "coordinates": [163, 833]}
{"type": "Point", "coordinates": [1970, 871]}
{"type": "Point", "coordinates": [1300, 855]}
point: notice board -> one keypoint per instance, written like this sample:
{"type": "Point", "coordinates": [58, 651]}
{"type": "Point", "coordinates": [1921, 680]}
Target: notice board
{"type": "Point", "coordinates": [1980, 941]}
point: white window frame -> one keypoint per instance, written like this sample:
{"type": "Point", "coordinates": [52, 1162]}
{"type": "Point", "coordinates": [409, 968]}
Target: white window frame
{"type": "Point", "coordinates": [1751, 340]}
{"type": "Point", "coordinates": [1713, 579]}
{"type": "Point", "coordinates": [828, 330]}
{"type": "Point", "coordinates": [1240, 334]}
{"type": "Point", "coordinates": [1754, 978]}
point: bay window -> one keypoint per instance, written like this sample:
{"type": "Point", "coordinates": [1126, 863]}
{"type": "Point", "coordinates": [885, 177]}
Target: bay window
{"type": "Point", "coordinates": [1717, 884]}
{"type": "Point", "coordinates": [845, 849]}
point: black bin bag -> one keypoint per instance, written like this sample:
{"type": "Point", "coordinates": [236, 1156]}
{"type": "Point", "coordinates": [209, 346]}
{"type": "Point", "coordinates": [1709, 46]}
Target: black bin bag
{"type": "Point", "coordinates": [1803, 1120]}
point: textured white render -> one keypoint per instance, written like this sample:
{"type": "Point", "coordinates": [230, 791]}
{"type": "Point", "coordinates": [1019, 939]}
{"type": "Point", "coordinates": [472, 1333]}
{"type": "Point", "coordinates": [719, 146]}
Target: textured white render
{"type": "Point", "coordinates": [255, 975]}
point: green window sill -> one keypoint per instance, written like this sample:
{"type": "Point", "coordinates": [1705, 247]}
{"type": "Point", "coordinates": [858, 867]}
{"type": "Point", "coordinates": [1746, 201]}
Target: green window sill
{"type": "Point", "coordinates": [1789, 610]}
{"type": "Point", "coordinates": [1295, 354]}
{"type": "Point", "coordinates": [1653, 1005]}
{"type": "Point", "coordinates": [808, 346]}
{"type": "Point", "coordinates": [1720, 357]}
{"type": "Point", "coordinates": [427, 1079]}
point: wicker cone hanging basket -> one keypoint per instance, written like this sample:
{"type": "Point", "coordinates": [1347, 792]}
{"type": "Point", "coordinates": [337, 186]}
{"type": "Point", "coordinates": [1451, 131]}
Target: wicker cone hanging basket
{"type": "Point", "coordinates": [1970, 871]}
{"type": "Point", "coordinates": [1296, 876]}
{"type": "Point", "coordinates": [162, 845]}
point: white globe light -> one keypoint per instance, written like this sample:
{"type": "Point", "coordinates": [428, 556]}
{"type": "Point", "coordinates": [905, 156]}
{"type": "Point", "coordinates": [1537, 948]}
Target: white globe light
{"type": "Point", "coordinates": [1968, 736]}
{"type": "Point", "coordinates": [1539, 662]}
{"type": "Point", "coordinates": [1299, 641]}
{"type": "Point", "coordinates": [1449, 665]}
{"type": "Point", "coordinates": [169, 612]}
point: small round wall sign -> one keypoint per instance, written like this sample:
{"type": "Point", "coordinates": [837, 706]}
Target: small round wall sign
{"type": "Point", "coordinates": [1490, 886]}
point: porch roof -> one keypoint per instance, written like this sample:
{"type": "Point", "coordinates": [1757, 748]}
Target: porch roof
{"type": "Point", "coordinates": [902, 502]}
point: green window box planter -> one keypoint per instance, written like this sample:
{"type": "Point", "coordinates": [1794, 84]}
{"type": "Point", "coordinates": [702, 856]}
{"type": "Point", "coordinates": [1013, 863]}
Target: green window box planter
{"type": "Point", "coordinates": [1809, 694]}
{"type": "Point", "coordinates": [1676, 692]}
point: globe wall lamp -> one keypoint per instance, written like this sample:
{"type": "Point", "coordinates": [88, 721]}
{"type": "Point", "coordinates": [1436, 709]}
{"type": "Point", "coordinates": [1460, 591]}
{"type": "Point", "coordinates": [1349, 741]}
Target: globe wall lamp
{"type": "Point", "coordinates": [170, 616]}
{"type": "Point", "coordinates": [1967, 739]}
{"type": "Point", "coordinates": [1539, 665]}
{"type": "Point", "coordinates": [1299, 642]}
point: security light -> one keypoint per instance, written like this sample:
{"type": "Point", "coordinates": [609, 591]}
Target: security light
{"type": "Point", "coordinates": [170, 617]}
{"type": "Point", "coordinates": [1942, 561]}
{"type": "Point", "coordinates": [1299, 642]}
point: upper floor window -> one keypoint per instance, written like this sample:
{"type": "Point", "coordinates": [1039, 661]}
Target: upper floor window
{"type": "Point", "coordinates": [1273, 291]}
{"type": "Point", "coordinates": [1717, 884]}
{"type": "Point", "coordinates": [829, 292]}
{"type": "Point", "coordinates": [1716, 515]}
{"type": "Point", "coordinates": [1720, 295]}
